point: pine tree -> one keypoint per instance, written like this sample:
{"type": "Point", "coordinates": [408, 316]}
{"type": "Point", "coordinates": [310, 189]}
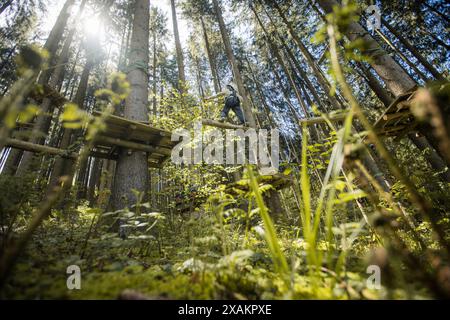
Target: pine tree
{"type": "Point", "coordinates": [132, 168]}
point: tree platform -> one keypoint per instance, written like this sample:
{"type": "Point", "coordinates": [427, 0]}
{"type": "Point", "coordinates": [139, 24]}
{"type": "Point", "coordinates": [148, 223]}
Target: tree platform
{"type": "Point", "coordinates": [397, 120]}
{"type": "Point", "coordinates": [119, 133]}
{"type": "Point", "coordinates": [134, 135]}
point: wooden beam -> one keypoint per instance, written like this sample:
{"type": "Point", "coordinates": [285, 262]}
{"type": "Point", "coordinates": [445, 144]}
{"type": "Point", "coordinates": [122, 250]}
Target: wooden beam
{"type": "Point", "coordinates": [133, 125]}
{"type": "Point", "coordinates": [222, 125]}
{"type": "Point", "coordinates": [400, 114]}
{"type": "Point", "coordinates": [389, 130]}
{"type": "Point", "coordinates": [38, 148]}
{"type": "Point", "coordinates": [334, 118]}
{"type": "Point", "coordinates": [133, 145]}
{"type": "Point", "coordinates": [102, 155]}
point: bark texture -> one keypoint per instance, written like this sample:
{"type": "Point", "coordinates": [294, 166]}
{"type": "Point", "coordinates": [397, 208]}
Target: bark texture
{"type": "Point", "coordinates": [132, 169]}
{"type": "Point", "coordinates": [180, 58]}
{"type": "Point", "coordinates": [396, 79]}
{"type": "Point", "coordinates": [246, 105]}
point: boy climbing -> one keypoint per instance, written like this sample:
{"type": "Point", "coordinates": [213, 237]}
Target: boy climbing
{"type": "Point", "coordinates": [232, 101]}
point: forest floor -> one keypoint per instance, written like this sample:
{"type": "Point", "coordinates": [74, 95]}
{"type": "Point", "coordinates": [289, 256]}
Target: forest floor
{"type": "Point", "coordinates": [179, 263]}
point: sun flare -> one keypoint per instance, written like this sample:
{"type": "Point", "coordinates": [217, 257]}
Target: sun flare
{"type": "Point", "coordinates": [93, 26]}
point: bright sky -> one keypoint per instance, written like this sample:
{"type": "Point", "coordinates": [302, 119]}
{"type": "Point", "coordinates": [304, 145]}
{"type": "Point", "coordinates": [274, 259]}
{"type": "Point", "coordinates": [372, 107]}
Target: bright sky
{"type": "Point", "coordinates": [182, 23]}
{"type": "Point", "coordinates": [55, 6]}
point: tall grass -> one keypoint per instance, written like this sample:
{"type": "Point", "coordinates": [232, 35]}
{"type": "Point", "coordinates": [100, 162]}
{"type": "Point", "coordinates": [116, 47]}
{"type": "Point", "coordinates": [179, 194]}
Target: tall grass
{"type": "Point", "coordinates": [270, 234]}
{"type": "Point", "coordinates": [311, 214]}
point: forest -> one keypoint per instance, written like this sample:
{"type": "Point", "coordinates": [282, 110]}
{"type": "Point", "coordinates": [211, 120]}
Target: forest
{"type": "Point", "coordinates": [99, 201]}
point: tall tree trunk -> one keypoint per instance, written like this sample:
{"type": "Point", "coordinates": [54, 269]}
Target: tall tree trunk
{"type": "Point", "coordinates": [414, 51]}
{"type": "Point", "coordinates": [272, 197]}
{"type": "Point", "coordinates": [161, 90]}
{"type": "Point", "coordinates": [154, 73]}
{"type": "Point", "coordinates": [436, 12]}
{"type": "Point", "coordinates": [431, 155]}
{"type": "Point", "coordinates": [309, 58]}
{"type": "Point", "coordinates": [261, 96]}
{"type": "Point", "coordinates": [232, 60]}
{"type": "Point", "coordinates": [420, 142]}
{"type": "Point", "coordinates": [323, 83]}
{"type": "Point", "coordinates": [93, 180]}
{"type": "Point", "coordinates": [12, 162]}
{"type": "Point", "coordinates": [7, 59]}
{"type": "Point", "coordinates": [211, 60]}
{"type": "Point", "coordinates": [43, 123]}
{"type": "Point", "coordinates": [396, 79]}
{"type": "Point", "coordinates": [63, 166]}
{"type": "Point", "coordinates": [199, 79]}
{"type": "Point", "coordinates": [266, 108]}
{"type": "Point", "coordinates": [180, 58]}
{"type": "Point", "coordinates": [435, 38]}
{"type": "Point", "coordinates": [278, 56]}
{"type": "Point", "coordinates": [52, 44]}
{"type": "Point", "coordinates": [402, 56]}
{"type": "Point", "coordinates": [122, 48]}
{"type": "Point", "coordinates": [125, 43]}
{"type": "Point", "coordinates": [106, 179]}
{"type": "Point", "coordinates": [283, 88]}
{"type": "Point", "coordinates": [132, 169]}
{"type": "Point", "coordinates": [71, 73]}
{"type": "Point", "coordinates": [5, 5]}
{"type": "Point", "coordinates": [54, 38]}
{"type": "Point", "coordinates": [375, 85]}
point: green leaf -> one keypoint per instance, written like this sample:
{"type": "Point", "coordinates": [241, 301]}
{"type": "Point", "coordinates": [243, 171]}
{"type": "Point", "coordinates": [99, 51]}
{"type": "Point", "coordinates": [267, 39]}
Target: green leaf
{"type": "Point", "coordinates": [350, 196]}
{"type": "Point", "coordinates": [72, 125]}
{"type": "Point", "coordinates": [340, 185]}
{"type": "Point", "coordinates": [70, 113]}
{"type": "Point", "coordinates": [28, 113]}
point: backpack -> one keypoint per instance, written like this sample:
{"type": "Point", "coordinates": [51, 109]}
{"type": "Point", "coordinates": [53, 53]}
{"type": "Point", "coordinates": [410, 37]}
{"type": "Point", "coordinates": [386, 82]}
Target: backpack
{"type": "Point", "coordinates": [232, 97]}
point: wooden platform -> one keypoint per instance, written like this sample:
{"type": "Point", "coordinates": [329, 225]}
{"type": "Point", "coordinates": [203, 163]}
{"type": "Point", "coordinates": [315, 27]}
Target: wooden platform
{"type": "Point", "coordinates": [119, 133]}
{"type": "Point", "coordinates": [134, 135]}
{"type": "Point", "coordinates": [397, 120]}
